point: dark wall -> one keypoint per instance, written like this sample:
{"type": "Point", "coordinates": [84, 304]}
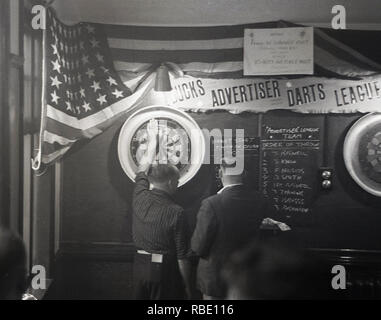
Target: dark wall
{"type": "Point", "coordinates": [96, 192]}
{"type": "Point", "coordinates": [96, 208]}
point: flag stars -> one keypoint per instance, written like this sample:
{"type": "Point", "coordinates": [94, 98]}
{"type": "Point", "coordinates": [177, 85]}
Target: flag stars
{"type": "Point", "coordinates": [55, 98]}
{"type": "Point", "coordinates": [95, 86]}
{"type": "Point", "coordinates": [118, 94]}
{"type": "Point", "coordinates": [105, 70]}
{"type": "Point", "coordinates": [90, 73]}
{"type": "Point", "coordinates": [85, 59]}
{"type": "Point", "coordinates": [55, 50]}
{"type": "Point", "coordinates": [90, 29]}
{"type": "Point", "coordinates": [82, 92]}
{"type": "Point", "coordinates": [99, 57]}
{"type": "Point", "coordinates": [56, 66]}
{"type": "Point", "coordinates": [102, 99]}
{"type": "Point", "coordinates": [111, 81]}
{"type": "Point", "coordinates": [56, 82]}
{"type": "Point", "coordinates": [86, 106]}
{"type": "Point", "coordinates": [94, 43]}
{"type": "Point", "coordinates": [68, 106]}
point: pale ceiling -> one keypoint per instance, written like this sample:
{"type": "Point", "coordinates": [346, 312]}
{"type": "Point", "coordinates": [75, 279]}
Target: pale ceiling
{"type": "Point", "coordinates": [215, 12]}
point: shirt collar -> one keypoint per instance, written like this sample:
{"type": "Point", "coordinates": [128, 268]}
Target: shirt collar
{"type": "Point", "coordinates": [228, 186]}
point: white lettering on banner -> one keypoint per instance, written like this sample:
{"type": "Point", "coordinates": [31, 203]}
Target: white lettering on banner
{"type": "Point", "coordinates": [305, 95]}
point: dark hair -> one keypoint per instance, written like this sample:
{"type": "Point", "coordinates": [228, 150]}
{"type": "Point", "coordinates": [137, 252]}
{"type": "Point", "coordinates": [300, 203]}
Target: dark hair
{"type": "Point", "coordinates": [162, 173]}
{"type": "Point", "coordinates": [12, 262]}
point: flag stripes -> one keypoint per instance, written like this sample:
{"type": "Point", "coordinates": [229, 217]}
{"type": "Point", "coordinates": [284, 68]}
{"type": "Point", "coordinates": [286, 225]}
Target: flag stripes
{"type": "Point", "coordinates": [210, 50]}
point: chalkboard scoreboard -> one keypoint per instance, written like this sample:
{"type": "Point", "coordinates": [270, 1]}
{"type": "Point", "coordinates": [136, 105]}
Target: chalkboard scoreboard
{"type": "Point", "coordinates": [289, 167]}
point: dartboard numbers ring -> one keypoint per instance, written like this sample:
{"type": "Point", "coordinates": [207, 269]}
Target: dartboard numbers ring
{"type": "Point", "coordinates": [362, 153]}
{"type": "Point", "coordinates": [180, 141]}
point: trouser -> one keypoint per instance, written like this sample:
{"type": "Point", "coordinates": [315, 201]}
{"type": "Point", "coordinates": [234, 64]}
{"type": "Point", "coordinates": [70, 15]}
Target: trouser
{"type": "Point", "coordinates": [157, 280]}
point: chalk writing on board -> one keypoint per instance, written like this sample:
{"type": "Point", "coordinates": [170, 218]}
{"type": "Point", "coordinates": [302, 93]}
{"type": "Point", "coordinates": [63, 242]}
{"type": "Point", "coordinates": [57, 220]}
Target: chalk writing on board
{"type": "Point", "coordinates": [289, 166]}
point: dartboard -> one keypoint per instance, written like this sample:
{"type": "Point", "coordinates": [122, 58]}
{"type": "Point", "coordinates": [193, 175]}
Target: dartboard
{"type": "Point", "coordinates": [374, 152]}
{"type": "Point", "coordinates": [180, 141]}
{"type": "Point", "coordinates": [174, 145]}
{"type": "Point", "coordinates": [362, 153]}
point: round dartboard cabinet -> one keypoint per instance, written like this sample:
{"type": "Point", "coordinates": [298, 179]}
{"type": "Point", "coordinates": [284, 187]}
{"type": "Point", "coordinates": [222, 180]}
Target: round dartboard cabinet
{"type": "Point", "coordinates": [180, 141]}
{"type": "Point", "coordinates": [362, 153]}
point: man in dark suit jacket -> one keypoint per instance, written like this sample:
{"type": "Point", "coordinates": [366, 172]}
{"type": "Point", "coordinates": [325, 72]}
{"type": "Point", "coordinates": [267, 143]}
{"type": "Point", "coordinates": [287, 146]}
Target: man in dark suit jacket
{"type": "Point", "coordinates": [226, 222]}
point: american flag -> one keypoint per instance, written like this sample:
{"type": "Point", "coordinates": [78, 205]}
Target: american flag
{"type": "Point", "coordinates": [92, 69]}
{"type": "Point", "coordinates": [83, 94]}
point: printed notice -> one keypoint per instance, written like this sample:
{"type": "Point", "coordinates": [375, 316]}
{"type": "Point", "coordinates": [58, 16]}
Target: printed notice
{"type": "Point", "coordinates": [278, 51]}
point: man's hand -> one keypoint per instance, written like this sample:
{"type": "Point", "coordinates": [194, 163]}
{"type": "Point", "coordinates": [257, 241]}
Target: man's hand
{"type": "Point", "coordinates": [185, 268]}
{"type": "Point", "coordinates": [150, 154]}
{"type": "Point", "coordinates": [153, 131]}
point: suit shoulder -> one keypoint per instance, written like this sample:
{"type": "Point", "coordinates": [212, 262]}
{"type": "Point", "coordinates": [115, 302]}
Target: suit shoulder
{"type": "Point", "coordinates": [212, 199]}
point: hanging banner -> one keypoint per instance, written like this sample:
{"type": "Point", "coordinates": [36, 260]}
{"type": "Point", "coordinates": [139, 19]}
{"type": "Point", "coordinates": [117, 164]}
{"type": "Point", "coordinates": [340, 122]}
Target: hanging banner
{"type": "Point", "coordinates": [304, 95]}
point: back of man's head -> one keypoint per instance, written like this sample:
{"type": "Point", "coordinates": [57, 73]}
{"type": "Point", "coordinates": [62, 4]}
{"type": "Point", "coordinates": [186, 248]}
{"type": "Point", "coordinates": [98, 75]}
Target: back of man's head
{"type": "Point", "coordinates": [232, 170]}
{"type": "Point", "coordinates": [12, 266]}
{"type": "Point", "coordinates": [164, 176]}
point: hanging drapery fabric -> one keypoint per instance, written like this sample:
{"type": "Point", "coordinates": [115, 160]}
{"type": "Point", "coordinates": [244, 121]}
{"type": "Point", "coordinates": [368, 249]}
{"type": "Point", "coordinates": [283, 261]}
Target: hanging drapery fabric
{"type": "Point", "coordinates": [94, 73]}
{"type": "Point", "coordinates": [82, 94]}
{"type": "Point", "coordinates": [217, 52]}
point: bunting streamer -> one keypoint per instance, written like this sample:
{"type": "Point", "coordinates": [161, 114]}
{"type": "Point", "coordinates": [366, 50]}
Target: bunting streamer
{"type": "Point", "coordinates": [305, 95]}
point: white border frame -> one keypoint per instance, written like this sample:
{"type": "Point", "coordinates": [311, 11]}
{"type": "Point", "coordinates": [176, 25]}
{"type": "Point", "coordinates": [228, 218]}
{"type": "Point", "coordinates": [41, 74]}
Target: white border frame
{"type": "Point", "coordinates": [351, 159]}
{"type": "Point", "coordinates": [143, 115]}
